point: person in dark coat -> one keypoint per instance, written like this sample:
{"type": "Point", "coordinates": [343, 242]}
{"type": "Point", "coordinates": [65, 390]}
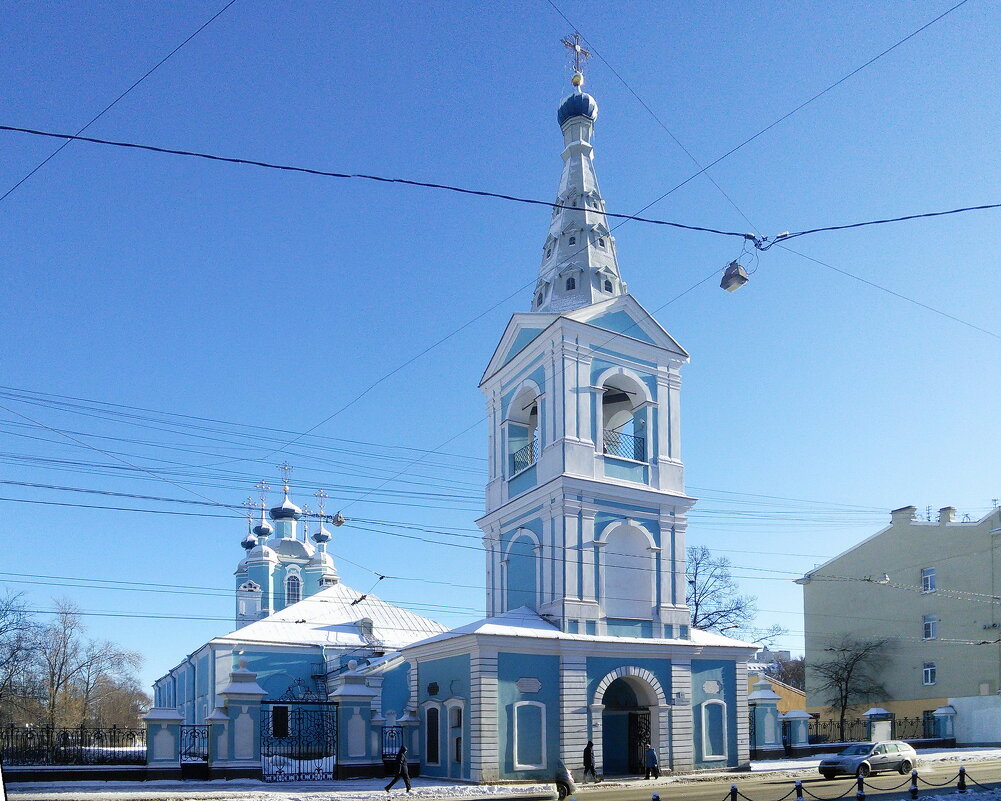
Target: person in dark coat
{"type": "Point", "coordinates": [401, 769]}
{"type": "Point", "coordinates": [652, 765]}
{"type": "Point", "coordinates": [589, 762]}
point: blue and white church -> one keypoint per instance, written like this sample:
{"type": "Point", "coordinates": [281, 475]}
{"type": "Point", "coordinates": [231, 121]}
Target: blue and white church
{"type": "Point", "coordinates": [587, 634]}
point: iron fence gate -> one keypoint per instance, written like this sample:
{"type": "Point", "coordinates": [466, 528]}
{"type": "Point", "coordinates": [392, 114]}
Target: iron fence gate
{"type": "Point", "coordinates": [298, 741]}
{"type": "Point", "coordinates": [392, 739]}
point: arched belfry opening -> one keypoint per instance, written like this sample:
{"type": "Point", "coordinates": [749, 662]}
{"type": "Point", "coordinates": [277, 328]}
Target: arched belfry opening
{"type": "Point", "coordinates": [523, 434]}
{"type": "Point", "coordinates": [624, 418]}
{"type": "Point", "coordinates": [628, 723]}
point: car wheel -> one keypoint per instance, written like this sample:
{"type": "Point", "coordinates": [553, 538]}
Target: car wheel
{"type": "Point", "coordinates": [863, 770]}
{"type": "Point", "coordinates": [827, 774]}
{"type": "Point", "coordinates": [904, 767]}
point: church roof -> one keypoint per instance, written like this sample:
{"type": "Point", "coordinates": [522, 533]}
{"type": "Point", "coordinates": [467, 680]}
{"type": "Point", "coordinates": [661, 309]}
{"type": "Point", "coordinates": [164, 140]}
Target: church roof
{"type": "Point", "coordinates": [337, 616]}
{"type": "Point", "coordinates": [525, 622]}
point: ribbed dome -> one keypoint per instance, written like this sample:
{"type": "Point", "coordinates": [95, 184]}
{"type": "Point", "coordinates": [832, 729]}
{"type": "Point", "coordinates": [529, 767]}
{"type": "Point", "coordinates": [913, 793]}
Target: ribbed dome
{"type": "Point", "coordinates": [579, 104]}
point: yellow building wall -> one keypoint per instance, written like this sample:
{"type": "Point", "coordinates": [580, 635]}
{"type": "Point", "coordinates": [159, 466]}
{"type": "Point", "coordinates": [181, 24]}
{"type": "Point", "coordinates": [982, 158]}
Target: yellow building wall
{"type": "Point", "coordinates": [789, 697]}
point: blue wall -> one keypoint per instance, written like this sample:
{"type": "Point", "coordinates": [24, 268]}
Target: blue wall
{"type": "Point", "coordinates": [396, 689]}
{"type": "Point", "coordinates": [707, 671]}
{"type": "Point", "coordinates": [451, 674]}
{"type": "Point", "coordinates": [510, 668]}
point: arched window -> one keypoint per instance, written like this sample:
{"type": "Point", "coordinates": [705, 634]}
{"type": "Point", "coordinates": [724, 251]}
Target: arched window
{"type": "Point", "coordinates": [713, 730]}
{"type": "Point", "coordinates": [522, 574]}
{"type": "Point", "coordinates": [601, 242]}
{"type": "Point", "coordinates": [549, 252]}
{"type": "Point", "coordinates": [571, 284]}
{"type": "Point", "coordinates": [293, 590]}
{"type": "Point", "coordinates": [522, 426]}
{"type": "Point", "coordinates": [623, 418]}
{"type": "Point", "coordinates": [608, 285]}
{"type": "Point", "coordinates": [573, 240]}
{"type": "Point", "coordinates": [538, 300]}
{"type": "Point", "coordinates": [629, 572]}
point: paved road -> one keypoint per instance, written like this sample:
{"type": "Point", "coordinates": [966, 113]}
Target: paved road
{"type": "Point", "coordinates": [770, 787]}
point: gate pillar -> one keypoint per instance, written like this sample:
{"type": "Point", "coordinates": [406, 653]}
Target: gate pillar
{"type": "Point", "coordinates": [236, 726]}
{"type": "Point", "coordinates": [763, 705]}
{"type": "Point", "coordinates": [163, 730]}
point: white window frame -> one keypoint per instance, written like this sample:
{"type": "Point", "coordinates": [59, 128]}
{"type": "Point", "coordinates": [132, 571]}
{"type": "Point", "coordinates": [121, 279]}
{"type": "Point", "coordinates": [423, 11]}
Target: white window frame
{"type": "Point", "coordinates": [928, 583]}
{"type": "Point", "coordinates": [428, 705]}
{"type": "Point", "coordinates": [707, 757]}
{"type": "Point", "coordinates": [451, 730]}
{"type": "Point", "coordinates": [929, 627]}
{"type": "Point", "coordinates": [542, 735]}
{"type": "Point", "coordinates": [288, 580]}
{"type": "Point", "coordinates": [929, 674]}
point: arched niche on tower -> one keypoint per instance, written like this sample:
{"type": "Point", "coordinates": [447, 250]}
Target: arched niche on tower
{"type": "Point", "coordinates": [627, 563]}
{"type": "Point", "coordinates": [624, 403]}
{"type": "Point", "coordinates": [522, 570]}
{"type": "Point", "coordinates": [522, 430]}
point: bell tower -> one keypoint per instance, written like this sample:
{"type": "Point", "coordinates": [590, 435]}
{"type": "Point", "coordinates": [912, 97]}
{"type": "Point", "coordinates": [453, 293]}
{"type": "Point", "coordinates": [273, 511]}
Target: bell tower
{"type": "Point", "coordinates": [585, 503]}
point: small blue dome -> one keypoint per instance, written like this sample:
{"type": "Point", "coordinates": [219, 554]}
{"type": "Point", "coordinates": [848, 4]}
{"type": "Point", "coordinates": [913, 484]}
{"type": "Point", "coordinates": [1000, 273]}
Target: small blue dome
{"type": "Point", "coordinates": [287, 511]}
{"type": "Point", "coordinates": [321, 535]}
{"type": "Point", "coordinates": [579, 104]}
{"type": "Point", "coordinates": [249, 542]}
{"type": "Point", "coordinates": [263, 529]}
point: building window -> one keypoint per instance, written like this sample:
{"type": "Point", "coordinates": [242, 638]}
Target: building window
{"type": "Point", "coordinates": [549, 252]}
{"type": "Point", "coordinates": [458, 750]}
{"type": "Point", "coordinates": [608, 285]}
{"type": "Point", "coordinates": [538, 300]}
{"type": "Point", "coordinates": [929, 625]}
{"type": "Point", "coordinates": [623, 419]}
{"type": "Point", "coordinates": [928, 673]}
{"type": "Point", "coordinates": [601, 242]}
{"type": "Point", "coordinates": [293, 590]}
{"type": "Point", "coordinates": [928, 579]}
{"type": "Point", "coordinates": [571, 284]}
{"type": "Point", "coordinates": [522, 426]}
{"type": "Point", "coordinates": [431, 735]}
{"type": "Point", "coordinates": [713, 730]}
{"type": "Point", "coordinates": [456, 717]}
{"type": "Point", "coordinates": [529, 735]}
{"type": "Point", "coordinates": [573, 239]}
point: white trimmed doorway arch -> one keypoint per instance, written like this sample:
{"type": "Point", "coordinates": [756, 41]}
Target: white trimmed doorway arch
{"type": "Point", "coordinates": [629, 708]}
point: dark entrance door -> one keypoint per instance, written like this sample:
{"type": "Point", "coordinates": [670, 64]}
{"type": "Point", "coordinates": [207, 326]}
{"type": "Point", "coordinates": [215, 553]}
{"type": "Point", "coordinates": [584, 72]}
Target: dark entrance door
{"type": "Point", "coordinates": [298, 738]}
{"type": "Point", "coordinates": [625, 730]}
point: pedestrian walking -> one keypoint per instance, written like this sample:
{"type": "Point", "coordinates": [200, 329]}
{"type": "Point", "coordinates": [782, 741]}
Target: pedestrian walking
{"type": "Point", "coordinates": [401, 769]}
{"type": "Point", "coordinates": [652, 765]}
{"type": "Point", "coordinates": [589, 762]}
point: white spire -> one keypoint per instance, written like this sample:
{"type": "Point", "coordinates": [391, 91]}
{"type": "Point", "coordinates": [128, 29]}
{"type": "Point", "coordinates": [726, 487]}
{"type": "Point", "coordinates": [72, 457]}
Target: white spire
{"type": "Point", "coordinates": [579, 266]}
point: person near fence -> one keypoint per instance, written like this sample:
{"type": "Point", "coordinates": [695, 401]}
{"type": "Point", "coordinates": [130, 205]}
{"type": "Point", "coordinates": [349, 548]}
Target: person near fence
{"type": "Point", "coordinates": [589, 762]}
{"type": "Point", "coordinates": [401, 769]}
{"type": "Point", "coordinates": [652, 766]}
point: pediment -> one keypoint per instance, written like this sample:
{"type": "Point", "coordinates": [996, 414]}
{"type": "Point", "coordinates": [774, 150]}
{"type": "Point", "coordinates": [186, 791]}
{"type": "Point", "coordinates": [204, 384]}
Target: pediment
{"type": "Point", "coordinates": [522, 329]}
{"type": "Point", "coordinates": [624, 315]}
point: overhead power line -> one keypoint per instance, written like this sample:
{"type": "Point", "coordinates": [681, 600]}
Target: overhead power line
{"type": "Point", "coordinates": [114, 102]}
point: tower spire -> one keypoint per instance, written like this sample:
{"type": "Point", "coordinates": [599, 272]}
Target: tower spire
{"type": "Point", "coordinates": [579, 264]}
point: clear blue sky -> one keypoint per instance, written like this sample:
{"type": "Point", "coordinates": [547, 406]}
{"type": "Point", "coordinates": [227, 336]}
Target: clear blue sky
{"type": "Point", "coordinates": [271, 299]}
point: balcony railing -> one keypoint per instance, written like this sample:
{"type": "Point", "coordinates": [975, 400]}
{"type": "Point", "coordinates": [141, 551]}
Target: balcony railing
{"type": "Point", "coordinates": [624, 446]}
{"type": "Point", "coordinates": [524, 458]}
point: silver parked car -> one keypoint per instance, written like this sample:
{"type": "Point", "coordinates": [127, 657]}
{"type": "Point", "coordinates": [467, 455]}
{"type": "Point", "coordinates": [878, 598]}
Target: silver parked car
{"type": "Point", "coordinates": [864, 759]}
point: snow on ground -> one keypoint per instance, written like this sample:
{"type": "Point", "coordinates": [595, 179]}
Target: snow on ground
{"type": "Point", "coordinates": [926, 756]}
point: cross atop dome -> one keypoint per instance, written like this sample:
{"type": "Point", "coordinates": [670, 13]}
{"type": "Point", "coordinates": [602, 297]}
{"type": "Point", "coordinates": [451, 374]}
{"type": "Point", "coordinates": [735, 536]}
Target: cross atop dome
{"type": "Point", "coordinates": [580, 55]}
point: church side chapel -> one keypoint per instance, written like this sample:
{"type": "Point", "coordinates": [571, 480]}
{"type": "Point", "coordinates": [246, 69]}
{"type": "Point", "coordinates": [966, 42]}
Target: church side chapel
{"type": "Point", "coordinates": [587, 634]}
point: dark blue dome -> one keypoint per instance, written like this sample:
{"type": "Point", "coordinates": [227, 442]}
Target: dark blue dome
{"type": "Point", "coordinates": [577, 105]}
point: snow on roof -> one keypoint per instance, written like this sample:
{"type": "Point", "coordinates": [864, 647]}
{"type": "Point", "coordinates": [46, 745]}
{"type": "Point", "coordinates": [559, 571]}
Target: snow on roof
{"type": "Point", "coordinates": [525, 622]}
{"type": "Point", "coordinates": [335, 616]}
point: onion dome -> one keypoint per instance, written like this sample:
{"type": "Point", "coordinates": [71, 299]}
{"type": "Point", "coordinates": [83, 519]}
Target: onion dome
{"type": "Point", "coordinates": [321, 535]}
{"type": "Point", "coordinates": [579, 104]}
{"type": "Point", "coordinates": [287, 511]}
{"type": "Point", "coordinates": [249, 542]}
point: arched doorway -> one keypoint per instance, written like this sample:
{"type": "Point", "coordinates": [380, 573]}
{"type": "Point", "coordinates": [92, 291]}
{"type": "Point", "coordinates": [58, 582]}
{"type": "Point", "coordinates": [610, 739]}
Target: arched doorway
{"type": "Point", "coordinates": [625, 725]}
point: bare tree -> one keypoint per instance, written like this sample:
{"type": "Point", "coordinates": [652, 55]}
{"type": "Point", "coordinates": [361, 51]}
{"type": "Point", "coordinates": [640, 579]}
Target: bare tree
{"type": "Point", "coordinates": [791, 672]}
{"type": "Point", "coordinates": [18, 643]}
{"type": "Point", "coordinates": [713, 596]}
{"type": "Point", "coordinates": [849, 675]}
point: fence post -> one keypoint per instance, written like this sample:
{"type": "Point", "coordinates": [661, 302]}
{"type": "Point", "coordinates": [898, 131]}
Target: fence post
{"type": "Point", "coordinates": [914, 783]}
{"type": "Point", "coordinates": [961, 784]}
{"type": "Point", "coordinates": [860, 792]}
{"type": "Point", "coordinates": [799, 790]}
{"type": "Point", "coordinates": [733, 792]}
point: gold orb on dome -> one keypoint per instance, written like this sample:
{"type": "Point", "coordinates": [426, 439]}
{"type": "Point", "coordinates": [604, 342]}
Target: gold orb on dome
{"type": "Point", "coordinates": [577, 79]}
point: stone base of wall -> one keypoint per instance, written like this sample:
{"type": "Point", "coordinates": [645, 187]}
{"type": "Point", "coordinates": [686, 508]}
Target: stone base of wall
{"type": "Point", "coordinates": [101, 773]}
{"type": "Point", "coordinates": [768, 753]}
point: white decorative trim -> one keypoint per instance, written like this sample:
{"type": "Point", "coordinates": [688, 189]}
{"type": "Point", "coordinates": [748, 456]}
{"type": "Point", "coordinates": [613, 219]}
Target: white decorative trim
{"type": "Point", "coordinates": [629, 670]}
{"type": "Point", "coordinates": [707, 757]}
{"type": "Point", "coordinates": [542, 735]}
{"type": "Point", "coordinates": [599, 382]}
{"type": "Point", "coordinates": [427, 705]}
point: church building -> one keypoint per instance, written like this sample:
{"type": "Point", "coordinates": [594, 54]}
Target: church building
{"type": "Point", "coordinates": [587, 634]}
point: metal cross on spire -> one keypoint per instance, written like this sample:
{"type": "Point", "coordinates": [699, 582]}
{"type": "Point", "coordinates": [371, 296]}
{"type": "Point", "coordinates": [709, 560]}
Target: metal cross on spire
{"type": "Point", "coordinates": [321, 501]}
{"type": "Point", "coordinates": [250, 505]}
{"type": "Point", "coordinates": [286, 471]}
{"type": "Point", "coordinates": [580, 55]}
{"type": "Point", "coordinates": [263, 487]}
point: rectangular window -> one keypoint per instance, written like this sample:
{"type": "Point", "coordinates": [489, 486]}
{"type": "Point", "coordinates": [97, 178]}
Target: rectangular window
{"type": "Point", "coordinates": [431, 735]}
{"type": "Point", "coordinates": [529, 735]}
{"type": "Point", "coordinates": [458, 749]}
{"type": "Point", "coordinates": [928, 673]}
{"type": "Point", "coordinates": [928, 579]}
{"type": "Point", "coordinates": [929, 626]}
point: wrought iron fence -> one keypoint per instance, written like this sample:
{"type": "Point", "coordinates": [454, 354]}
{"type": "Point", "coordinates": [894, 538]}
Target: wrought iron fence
{"type": "Point", "coordinates": [194, 746]}
{"type": "Point", "coordinates": [830, 731]}
{"type": "Point", "coordinates": [42, 745]}
{"type": "Point", "coordinates": [625, 446]}
{"type": "Point", "coordinates": [913, 728]}
{"type": "Point", "coordinates": [524, 458]}
{"type": "Point", "coordinates": [392, 739]}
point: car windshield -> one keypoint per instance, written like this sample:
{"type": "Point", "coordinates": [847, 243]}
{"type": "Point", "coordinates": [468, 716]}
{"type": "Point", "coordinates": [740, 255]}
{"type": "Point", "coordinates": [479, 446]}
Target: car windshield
{"type": "Point", "coordinates": [856, 750]}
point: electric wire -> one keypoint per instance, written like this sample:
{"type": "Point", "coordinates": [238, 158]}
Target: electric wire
{"type": "Point", "coordinates": [114, 102]}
